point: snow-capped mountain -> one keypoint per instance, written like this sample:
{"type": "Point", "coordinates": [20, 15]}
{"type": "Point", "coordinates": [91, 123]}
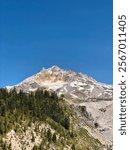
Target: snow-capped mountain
{"type": "Point", "coordinates": [79, 90]}
{"type": "Point", "coordinates": [69, 83]}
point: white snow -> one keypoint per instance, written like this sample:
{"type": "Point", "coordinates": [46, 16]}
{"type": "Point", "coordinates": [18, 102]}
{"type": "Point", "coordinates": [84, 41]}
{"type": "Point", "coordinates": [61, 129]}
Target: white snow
{"type": "Point", "coordinates": [92, 87]}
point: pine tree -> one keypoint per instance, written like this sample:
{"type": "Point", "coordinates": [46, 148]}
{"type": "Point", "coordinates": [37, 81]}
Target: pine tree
{"type": "Point", "coordinates": [49, 135]}
{"type": "Point", "coordinates": [54, 137]}
{"type": "Point", "coordinates": [73, 147]}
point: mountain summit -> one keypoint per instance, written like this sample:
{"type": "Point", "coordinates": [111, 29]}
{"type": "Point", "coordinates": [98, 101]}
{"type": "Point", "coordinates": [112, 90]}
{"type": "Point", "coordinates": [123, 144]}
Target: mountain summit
{"type": "Point", "coordinates": [66, 82]}
{"type": "Point", "coordinates": [79, 90]}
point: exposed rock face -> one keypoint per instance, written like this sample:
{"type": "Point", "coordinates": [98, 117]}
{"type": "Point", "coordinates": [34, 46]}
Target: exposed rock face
{"type": "Point", "coordinates": [79, 90]}
{"type": "Point", "coordinates": [23, 140]}
{"type": "Point", "coordinates": [27, 139]}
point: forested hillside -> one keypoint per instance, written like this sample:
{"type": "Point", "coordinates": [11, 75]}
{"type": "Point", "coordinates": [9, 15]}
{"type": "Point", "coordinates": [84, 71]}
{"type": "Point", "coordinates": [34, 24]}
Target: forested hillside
{"type": "Point", "coordinates": [19, 112]}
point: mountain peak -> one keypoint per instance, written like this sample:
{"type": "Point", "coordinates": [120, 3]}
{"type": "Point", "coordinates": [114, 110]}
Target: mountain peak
{"type": "Point", "coordinates": [55, 68]}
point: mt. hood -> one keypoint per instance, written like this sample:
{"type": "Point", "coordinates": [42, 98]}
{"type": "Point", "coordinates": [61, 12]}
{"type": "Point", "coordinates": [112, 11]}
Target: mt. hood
{"type": "Point", "coordinates": [79, 90]}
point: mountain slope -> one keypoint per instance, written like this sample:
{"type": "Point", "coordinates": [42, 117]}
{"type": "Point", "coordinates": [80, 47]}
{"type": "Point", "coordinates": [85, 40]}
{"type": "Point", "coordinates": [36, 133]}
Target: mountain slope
{"type": "Point", "coordinates": [91, 100]}
{"type": "Point", "coordinates": [40, 120]}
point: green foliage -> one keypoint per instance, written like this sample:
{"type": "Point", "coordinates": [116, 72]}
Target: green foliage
{"type": "Point", "coordinates": [54, 138]}
{"type": "Point", "coordinates": [73, 147]}
{"type": "Point", "coordinates": [22, 109]}
{"type": "Point", "coordinates": [49, 135]}
{"type": "Point", "coordinates": [4, 146]}
{"type": "Point", "coordinates": [35, 148]}
{"type": "Point", "coordinates": [17, 107]}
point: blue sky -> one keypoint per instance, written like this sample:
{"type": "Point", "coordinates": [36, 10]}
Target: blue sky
{"type": "Point", "coordinates": [72, 34]}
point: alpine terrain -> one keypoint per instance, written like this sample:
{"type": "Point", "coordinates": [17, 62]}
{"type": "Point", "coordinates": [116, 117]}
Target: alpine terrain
{"type": "Point", "coordinates": [56, 109]}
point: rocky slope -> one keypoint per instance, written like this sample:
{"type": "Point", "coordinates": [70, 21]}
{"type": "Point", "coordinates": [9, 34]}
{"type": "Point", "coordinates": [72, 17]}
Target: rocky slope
{"type": "Point", "coordinates": [91, 100]}
{"type": "Point", "coordinates": [75, 85]}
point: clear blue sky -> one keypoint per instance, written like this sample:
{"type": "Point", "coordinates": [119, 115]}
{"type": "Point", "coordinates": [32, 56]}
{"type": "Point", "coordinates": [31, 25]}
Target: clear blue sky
{"type": "Point", "coordinates": [73, 34]}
